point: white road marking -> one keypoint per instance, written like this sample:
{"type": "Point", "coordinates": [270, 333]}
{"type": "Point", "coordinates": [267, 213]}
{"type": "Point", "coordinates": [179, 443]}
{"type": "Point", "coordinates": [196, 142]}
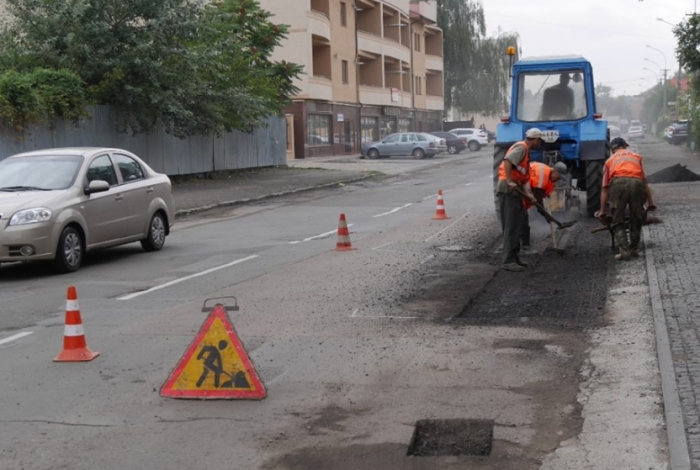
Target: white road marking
{"type": "Point", "coordinates": [393, 210]}
{"type": "Point", "coordinates": [14, 337]}
{"type": "Point", "coordinates": [490, 175]}
{"type": "Point", "coordinates": [186, 278]}
{"type": "Point", "coordinates": [323, 235]}
{"type": "Point", "coordinates": [446, 228]}
{"type": "Point", "coordinates": [382, 246]}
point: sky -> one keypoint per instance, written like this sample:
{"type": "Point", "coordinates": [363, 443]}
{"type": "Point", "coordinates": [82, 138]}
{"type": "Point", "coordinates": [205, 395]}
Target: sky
{"type": "Point", "coordinates": [611, 34]}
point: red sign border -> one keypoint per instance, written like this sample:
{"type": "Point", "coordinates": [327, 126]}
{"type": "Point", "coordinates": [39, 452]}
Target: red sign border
{"type": "Point", "coordinates": [258, 394]}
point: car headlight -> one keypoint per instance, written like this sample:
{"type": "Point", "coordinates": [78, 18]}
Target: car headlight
{"type": "Point", "coordinates": [31, 216]}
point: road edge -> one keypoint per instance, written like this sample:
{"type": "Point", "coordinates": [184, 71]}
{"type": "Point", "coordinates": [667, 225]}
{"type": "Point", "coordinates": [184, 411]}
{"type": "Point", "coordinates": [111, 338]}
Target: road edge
{"type": "Point", "coordinates": [675, 428]}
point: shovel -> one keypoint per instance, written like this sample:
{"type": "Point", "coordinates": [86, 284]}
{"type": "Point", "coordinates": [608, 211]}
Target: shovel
{"type": "Point", "coordinates": [560, 225]}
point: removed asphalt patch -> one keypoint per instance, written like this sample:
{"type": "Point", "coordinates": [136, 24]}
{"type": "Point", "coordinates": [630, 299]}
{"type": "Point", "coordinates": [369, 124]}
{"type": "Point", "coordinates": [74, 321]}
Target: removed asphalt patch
{"type": "Point", "coordinates": [673, 174]}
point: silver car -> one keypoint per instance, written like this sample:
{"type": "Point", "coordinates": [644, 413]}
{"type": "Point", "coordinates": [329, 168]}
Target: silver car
{"type": "Point", "coordinates": [58, 204]}
{"type": "Point", "coordinates": [415, 144]}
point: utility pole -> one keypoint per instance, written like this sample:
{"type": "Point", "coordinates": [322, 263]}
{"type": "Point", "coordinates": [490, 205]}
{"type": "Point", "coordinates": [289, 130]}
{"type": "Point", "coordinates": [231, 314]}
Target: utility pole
{"type": "Point", "coordinates": [664, 70]}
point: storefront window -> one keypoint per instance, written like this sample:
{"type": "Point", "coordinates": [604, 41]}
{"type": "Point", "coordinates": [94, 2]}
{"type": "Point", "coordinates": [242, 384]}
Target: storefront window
{"type": "Point", "coordinates": [404, 125]}
{"type": "Point", "coordinates": [387, 127]}
{"type": "Point", "coordinates": [318, 129]}
{"type": "Point", "coordinates": [369, 129]}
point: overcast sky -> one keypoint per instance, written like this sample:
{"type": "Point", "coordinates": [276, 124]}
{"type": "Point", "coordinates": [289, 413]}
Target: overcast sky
{"type": "Point", "coordinates": [611, 34]}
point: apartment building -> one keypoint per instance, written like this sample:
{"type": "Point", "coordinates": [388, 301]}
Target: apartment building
{"type": "Point", "coordinates": [372, 67]}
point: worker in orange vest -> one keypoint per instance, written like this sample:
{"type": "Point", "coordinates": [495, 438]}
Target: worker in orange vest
{"type": "Point", "coordinates": [514, 173]}
{"type": "Point", "coordinates": [625, 186]}
{"type": "Point", "coordinates": [542, 180]}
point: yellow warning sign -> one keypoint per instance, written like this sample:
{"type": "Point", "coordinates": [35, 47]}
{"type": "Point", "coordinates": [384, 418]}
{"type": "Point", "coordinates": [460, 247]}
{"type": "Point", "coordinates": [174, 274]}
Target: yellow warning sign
{"type": "Point", "coordinates": [215, 365]}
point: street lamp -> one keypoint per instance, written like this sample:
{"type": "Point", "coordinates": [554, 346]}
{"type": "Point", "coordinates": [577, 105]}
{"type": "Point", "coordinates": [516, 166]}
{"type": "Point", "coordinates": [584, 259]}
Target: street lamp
{"type": "Point", "coordinates": [680, 71]}
{"type": "Point", "coordinates": [660, 69]}
{"type": "Point", "coordinates": [658, 76]}
{"type": "Point", "coordinates": [665, 69]}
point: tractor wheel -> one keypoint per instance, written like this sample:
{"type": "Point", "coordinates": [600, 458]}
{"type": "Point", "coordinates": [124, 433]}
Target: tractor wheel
{"type": "Point", "coordinates": [594, 181]}
{"type": "Point", "coordinates": [498, 156]}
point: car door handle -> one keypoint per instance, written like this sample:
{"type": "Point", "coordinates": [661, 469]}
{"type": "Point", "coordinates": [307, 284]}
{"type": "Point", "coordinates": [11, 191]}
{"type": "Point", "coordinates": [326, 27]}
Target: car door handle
{"type": "Point", "coordinates": [150, 189]}
{"type": "Point", "coordinates": [118, 197]}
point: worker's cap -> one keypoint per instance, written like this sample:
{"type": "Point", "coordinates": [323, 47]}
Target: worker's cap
{"type": "Point", "coordinates": [533, 133]}
{"type": "Point", "coordinates": [617, 143]}
{"type": "Point", "coordinates": [560, 167]}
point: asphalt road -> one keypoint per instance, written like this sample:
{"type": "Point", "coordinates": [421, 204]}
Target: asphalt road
{"type": "Point", "coordinates": [353, 347]}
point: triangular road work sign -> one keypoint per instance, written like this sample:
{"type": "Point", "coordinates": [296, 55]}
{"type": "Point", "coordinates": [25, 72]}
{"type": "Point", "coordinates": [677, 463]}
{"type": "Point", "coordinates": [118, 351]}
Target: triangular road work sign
{"type": "Point", "coordinates": [215, 365]}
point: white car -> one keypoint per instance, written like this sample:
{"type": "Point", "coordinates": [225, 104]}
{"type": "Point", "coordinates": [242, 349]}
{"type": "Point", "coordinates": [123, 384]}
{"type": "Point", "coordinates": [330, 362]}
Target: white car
{"type": "Point", "coordinates": [635, 132]}
{"type": "Point", "coordinates": [439, 142]}
{"type": "Point", "coordinates": [476, 138]}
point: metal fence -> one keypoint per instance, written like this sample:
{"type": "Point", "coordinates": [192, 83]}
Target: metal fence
{"type": "Point", "coordinates": [163, 152]}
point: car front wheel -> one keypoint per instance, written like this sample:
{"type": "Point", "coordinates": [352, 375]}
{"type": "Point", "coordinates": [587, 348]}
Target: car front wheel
{"type": "Point", "coordinates": [155, 239]}
{"type": "Point", "coordinates": [474, 146]}
{"type": "Point", "coordinates": [418, 154]}
{"type": "Point", "coordinates": [69, 252]}
{"type": "Point", "coordinates": [373, 154]}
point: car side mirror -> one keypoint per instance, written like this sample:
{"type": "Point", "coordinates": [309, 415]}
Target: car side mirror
{"type": "Point", "coordinates": [97, 186]}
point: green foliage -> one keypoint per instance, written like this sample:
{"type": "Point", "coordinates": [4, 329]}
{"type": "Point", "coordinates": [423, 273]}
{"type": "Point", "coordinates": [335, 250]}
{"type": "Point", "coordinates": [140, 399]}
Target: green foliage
{"type": "Point", "coordinates": [196, 68]}
{"type": "Point", "coordinates": [40, 95]}
{"type": "Point", "coordinates": [688, 35]}
{"type": "Point", "coordinates": [476, 67]}
{"type": "Point", "coordinates": [611, 105]}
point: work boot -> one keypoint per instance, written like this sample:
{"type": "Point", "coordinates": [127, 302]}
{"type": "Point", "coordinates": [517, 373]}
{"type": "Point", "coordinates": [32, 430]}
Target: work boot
{"type": "Point", "coordinates": [634, 251]}
{"type": "Point", "coordinates": [526, 250]}
{"type": "Point", "coordinates": [519, 262]}
{"type": "Point", "coordinates": [513, 267]}
{"type": "Point", "coordinates": [623, 255]}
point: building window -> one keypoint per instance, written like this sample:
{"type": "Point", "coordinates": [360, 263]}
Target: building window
{"type": "Point", "coordinates": [404, 125]}
{"type": "Point", "coordinates": [419, 85]}
{"type": "Point", "coordinates": [343, 14]}
{"type": "Point", "coordinates": [345, 71]}
{"type": "Point", "coordinates": [370, 132]}
{"type": "Point", "coordinates": [416, 41]}
{"type": "Point", "coordinates": [318, 129]}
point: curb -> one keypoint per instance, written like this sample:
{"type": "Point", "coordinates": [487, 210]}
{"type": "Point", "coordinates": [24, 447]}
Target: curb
{"type": "Point", "coordinates": [675, 429]}
{"type": "Point", "coordinates": [195, 210]}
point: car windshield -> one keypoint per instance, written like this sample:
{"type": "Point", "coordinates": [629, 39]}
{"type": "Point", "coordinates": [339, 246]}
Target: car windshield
{"type": "Point", "coordinates": [554, 96]}
{"type": "Point", "coordinates": [38, 173]}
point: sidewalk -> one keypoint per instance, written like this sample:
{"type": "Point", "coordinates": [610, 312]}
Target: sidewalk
{"type": "Point", "coordinates": [194, 195]}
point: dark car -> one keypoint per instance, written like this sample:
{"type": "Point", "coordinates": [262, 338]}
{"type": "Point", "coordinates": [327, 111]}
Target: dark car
{"type": "Point", "coordinates": [677, 133]}
{"type": "Point", "coordinates": [455, 144]}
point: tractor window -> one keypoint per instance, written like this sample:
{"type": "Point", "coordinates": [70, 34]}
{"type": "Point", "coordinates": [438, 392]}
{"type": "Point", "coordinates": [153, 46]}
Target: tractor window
{"type": "Point", "coordinates": [557, 96]}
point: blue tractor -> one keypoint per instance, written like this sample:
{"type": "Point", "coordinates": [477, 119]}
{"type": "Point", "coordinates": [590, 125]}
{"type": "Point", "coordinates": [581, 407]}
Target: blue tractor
{"type": "Point", "coordinates": [557, 95]}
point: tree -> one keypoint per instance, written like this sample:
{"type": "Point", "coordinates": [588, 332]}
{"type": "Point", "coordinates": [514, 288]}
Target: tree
{"type": "Point", "coordinates": [196, 68]}
{"type": "Point", "coordinates": [476, 66]}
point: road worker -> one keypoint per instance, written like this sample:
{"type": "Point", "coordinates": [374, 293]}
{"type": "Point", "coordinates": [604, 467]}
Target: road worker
{"type": "Point", "coordinates": [542, 180]}
{"type": "Point", "coordinates": [513, 174]}
{"type": "Point", "coordinates": [625, 187]}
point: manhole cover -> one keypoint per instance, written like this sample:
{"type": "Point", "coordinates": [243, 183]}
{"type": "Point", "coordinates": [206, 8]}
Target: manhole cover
{"type": "Point", "coordinates": [435, 437]}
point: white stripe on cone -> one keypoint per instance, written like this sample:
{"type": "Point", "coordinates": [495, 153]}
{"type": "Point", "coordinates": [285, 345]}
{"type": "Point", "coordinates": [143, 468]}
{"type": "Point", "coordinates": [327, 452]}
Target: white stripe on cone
{"type": "Point", "coordinates": [72, 305]}
{"type": "Point", "coordinates": [74, 330]}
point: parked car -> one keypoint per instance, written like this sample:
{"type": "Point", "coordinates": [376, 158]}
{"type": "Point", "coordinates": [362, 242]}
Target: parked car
{"type": "Point", "coordinates": [415, 144]}
{"type": "Point", "coordinates": [476, 138]}
{"type": "Point", "coordinates": [439, 141]}
{"type": "Point", "coordinates": [491, 135]}
{"type": "Point", "coordinates": [677, 133]}
{"type": "Point", "coordinates": [58, 204]}
{"type": "Point", "coordinates": [455, 144]}
{"type": "Point", "coordinates": [635, 132]}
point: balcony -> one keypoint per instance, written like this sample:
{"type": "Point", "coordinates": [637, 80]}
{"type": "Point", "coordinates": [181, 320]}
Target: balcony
{"type": "Point", "coordinates": [377, 96]}
{"type": "Point", "coordinates": [320, 88]}
{"type": "Point", "coordinates": [382, 47]}
{"type": "Point", "coordinates": [434, 103]}
{"type": "Point", "coordinates": [427, 10]}
{"type": "Point", "coordinates": [319, 24]}
{"type": "Point", "coordinates": [321, 6]}
{"type": "Point", "coordinates": [433, 62]}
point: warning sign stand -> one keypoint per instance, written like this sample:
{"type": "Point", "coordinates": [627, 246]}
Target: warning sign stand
{"type": "Point", "coordinates": [215, 365]}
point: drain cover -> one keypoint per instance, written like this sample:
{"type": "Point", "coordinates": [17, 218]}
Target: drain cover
{"type": "Point", "coordinates": [435, 437]}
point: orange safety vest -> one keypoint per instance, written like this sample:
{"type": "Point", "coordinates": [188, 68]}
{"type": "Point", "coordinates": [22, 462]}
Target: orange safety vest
{"type": "Point", "coordinates": [624, 164]}
{"type": "Point", "coordinates": [520, 173]}
{"type": "Point", "coordinates": [540, 178]}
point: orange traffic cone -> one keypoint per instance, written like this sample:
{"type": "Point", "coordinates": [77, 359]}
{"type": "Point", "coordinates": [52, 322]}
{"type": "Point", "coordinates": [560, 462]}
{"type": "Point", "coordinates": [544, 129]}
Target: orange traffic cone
{"type": "Point", "coordinates": [343, 243]}
{"type": "Point", "coordinates": [74, 345]}
{"type": "Point", "coordinates": [440, 211]}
